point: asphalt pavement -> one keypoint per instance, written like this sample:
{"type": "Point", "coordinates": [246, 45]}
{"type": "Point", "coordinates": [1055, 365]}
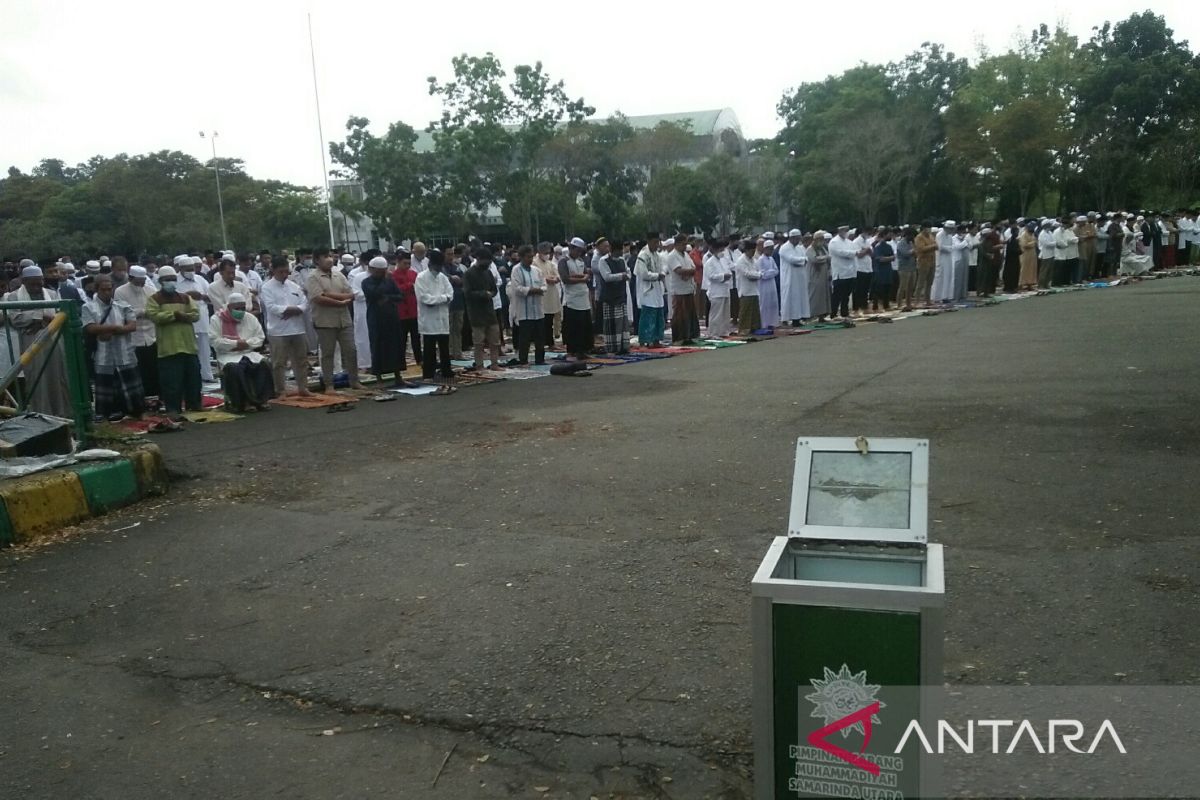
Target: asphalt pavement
{"type": "Point", "coordinates": [541, 588]}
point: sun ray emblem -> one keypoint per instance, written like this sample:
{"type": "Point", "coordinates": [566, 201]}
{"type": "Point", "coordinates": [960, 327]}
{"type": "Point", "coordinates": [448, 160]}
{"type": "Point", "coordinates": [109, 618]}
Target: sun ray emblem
{"type": "Point", "coordinates": [841, 694]}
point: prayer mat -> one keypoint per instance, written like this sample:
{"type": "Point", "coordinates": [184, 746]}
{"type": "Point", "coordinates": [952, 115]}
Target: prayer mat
{"type": "Point", "coordinates": [471, 379]}
{"type": "Point", "coordinates": [525, 374]}
{"type": "Point", "coordinates": [683, 351]}
{"type": "Point", "coordinates": [210, 416]}
{"type": "Point", "coordinates": [314, 400]}
{"type": "Point", "coordinates": [792, 331]}
{"type": "Point", "coordinates": [416, 391]}
{"type": "Point", "coordinates": [212, 401]}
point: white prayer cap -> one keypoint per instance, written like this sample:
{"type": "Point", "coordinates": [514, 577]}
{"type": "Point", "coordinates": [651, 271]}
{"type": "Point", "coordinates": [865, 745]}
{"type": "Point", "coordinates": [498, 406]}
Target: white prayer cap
{"type": "Point", "coordinates": [986, 229]}
{"type": "Point", "coordinates": [180, 260]}
{"type": "Point", "coordinates": [949, 224]}
{"type": "Point", "coordinates": [378, 262]}
{"type": "Point", "coordinates": [137, 271]}
{"type": "Point", "coordinates": [194, 261]}
{"type": "Point", "coordinates": [1093, 213]}
{"type": "Point", "coordinates": [31, 271]}
{"type": "Point", "coordinates": [1020, 220]}
{"type": "Point", "coordinates": [828, 235]}
{"type": "Point", "coordinates": [843, 227]}
{"type": "Point", "coordinates": [794, 232]}
{"type": "Point", "coordinates": [852, 232]}
{"type": "Point", "coordinates": [226, 256]}
{"type": "Point", "coordinates": [347, 258]}
{"type": "Point", "coordinates": [26, 262]}
{"type": "Point", "coordinates": [166, 272]}
{"type": "Point", "coordinates": [818, 234]}
{"type": "Point", "coordinates": [768, 235]}
{"type": "Point", "coordinates": [106, 263]}
{"type": "Point", "coordinates": [92, 265]}
{"type": "Point", "coordinates": [237, 297]}
{"type": "Point", "coordinates": [580, 243]}
{"type": "Point", "coordinates": [1140, 218]}
{"type": "Point", "coordinates": [1081, 218]}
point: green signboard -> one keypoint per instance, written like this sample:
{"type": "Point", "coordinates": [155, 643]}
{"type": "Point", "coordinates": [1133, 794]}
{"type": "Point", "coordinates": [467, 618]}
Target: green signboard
{"type": "Point", "coordinates": [830, 667]}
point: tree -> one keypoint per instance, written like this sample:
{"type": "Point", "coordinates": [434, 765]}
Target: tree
{"type": "Point", "coordinates": [1137, 85]}
{"type": "Point", "coordinates": [491, 135]}
{"type": "Point", "coordinates": [676, 200]}
{"type": "Point", "coordinates": [728, 187]}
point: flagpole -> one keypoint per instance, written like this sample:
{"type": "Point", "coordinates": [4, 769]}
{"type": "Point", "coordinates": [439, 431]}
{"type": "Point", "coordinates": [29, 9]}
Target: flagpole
{"type": "Point", "coordinates": [312, 51]}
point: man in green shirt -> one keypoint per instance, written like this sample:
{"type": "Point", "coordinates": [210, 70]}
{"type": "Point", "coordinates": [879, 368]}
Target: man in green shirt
{"type": "Point", "coordinates": [174, 314]}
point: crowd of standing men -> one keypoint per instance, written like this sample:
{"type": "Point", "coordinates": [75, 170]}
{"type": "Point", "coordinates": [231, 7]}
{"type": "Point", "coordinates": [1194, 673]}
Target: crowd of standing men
{"type": "Point", "coordinates": [155, 329]}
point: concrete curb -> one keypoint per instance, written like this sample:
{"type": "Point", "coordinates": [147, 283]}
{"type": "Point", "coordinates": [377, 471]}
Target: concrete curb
{"type": "Point", "coordinates": [42, 503]}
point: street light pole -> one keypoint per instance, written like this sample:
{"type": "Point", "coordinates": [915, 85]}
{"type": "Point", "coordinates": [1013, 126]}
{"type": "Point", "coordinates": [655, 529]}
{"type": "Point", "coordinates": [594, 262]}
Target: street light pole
{"type": "Point", "coordinates": [217, 169]}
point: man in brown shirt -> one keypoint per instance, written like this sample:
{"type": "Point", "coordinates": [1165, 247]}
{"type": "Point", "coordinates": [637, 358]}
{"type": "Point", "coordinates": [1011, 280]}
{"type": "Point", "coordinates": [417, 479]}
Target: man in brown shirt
{"type": "Point", "coordinates": [925, 248]}
{"type": "Point", "coordinates": [329, 299]}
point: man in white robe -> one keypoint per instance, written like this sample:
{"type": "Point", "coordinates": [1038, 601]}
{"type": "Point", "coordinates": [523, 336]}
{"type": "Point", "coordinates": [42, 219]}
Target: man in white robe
{"type": "Point", "coordinates": [943, 276]}
{"type": "Point", "coordinates": [793, 279]}
{"type": "Point", "coordinates": [362, 336]}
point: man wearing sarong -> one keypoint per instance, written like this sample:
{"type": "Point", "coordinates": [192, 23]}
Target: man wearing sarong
{"type": "Point", "coordinates": [614, 282]}
{"type": "Point", "coordinates": [118, 383]}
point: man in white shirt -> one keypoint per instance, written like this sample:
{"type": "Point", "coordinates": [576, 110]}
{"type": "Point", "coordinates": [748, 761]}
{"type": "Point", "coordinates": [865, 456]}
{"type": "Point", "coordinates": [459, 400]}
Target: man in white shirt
{"type": "Point", "coordinates": [419, 260]}
{"type": "Point", "coordinates": [681, 283]}
{"type": "Point", "coordinates": [863, 270]}
{"type": "Point", "coordinates": [224, 284]}
{"type": "Point", "coordinates": [1047, 247]}
{"type": "Point", "coordinates": [237, 335]}
{"type": "Point", "coordinates": [651, 274]}
{"type": "Point", "coordinates": [283, 306]}
{"type": "Point", "coordinates": [718, 279]}
{"type": "Point", "coordinates": [134, 294]}
{"type": "Point", "coordinates": [1066, 253]}
{"type": "Point", "coordinates": [434, 293]}
{"type": "Point", "coordinates": [193, 285]}
{"type": "Point", "coordinates": [843, 269]}
{"type": "Point", "coordinates": [748, 276]}
{"type": "Point", "coordinates": [362, 335]}
{"type": "Point", "coordinates": [577, 304]}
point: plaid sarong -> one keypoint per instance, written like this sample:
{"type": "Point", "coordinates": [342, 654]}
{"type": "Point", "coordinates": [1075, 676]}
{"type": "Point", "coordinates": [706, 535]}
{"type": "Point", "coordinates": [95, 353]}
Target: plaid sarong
{"type": "Point", "coordinates": [616, 327]}
{"type": "Point", "coordinates": [119, 390]}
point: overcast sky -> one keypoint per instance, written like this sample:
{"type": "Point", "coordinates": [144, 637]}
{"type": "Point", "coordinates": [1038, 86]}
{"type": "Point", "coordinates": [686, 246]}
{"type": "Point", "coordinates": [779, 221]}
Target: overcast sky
{"type": "Point", "coordinates": [84, 78]}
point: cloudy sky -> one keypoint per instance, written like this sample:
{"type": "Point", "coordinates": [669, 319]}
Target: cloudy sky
{"type": "Point", "coordinates": [83, 78]}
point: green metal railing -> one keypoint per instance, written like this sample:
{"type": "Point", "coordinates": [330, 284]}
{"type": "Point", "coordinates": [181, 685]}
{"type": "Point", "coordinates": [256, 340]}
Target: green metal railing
{"type": "Point", "coordinates": [66, 328]}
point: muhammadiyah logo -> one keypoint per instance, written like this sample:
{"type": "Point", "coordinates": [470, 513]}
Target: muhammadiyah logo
{"type": "Point", "coordinates": [841, 694]}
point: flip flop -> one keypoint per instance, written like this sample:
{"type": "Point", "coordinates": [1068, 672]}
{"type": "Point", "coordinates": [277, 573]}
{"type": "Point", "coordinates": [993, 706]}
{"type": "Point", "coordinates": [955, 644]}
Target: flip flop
{"type": "Point", "coordinates": [339, 407]}
{"type": "Point", "coordinates": [444, 390]}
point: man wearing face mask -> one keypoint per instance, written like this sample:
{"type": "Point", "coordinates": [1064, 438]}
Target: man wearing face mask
{"type": "Point", "coordinates": [195, 286]}
{"type": "Point", "coordinates": [174, 314]}
{"type": "Point", "coordinates": [237, 337]}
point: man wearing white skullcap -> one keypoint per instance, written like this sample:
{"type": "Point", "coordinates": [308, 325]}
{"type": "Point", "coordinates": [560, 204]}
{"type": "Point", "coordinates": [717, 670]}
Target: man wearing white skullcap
{"type": "Point", "coordinates": [50, 395]}
{"type": "Point", "coordinates": [195, 286]}
{"type": "Point", "coordinates": [135, 294]}
{"type": "Point", "coordinates": [118, 384]}
{"type": "Point", "coordinates": [793, 279]}
{"type": "Point", "coordinates": [175, 314]}
{"type": "Point", "coordinates": [237, 336]}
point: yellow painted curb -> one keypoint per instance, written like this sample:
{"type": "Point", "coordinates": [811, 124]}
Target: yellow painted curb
{"type": "Point", "coordinates": [43, 503]}
{"type": "Point", "coordinates": [151, 470]}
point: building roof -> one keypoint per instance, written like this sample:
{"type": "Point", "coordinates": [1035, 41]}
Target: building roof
{"type": "Point", "coordinates": [703, 123]}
